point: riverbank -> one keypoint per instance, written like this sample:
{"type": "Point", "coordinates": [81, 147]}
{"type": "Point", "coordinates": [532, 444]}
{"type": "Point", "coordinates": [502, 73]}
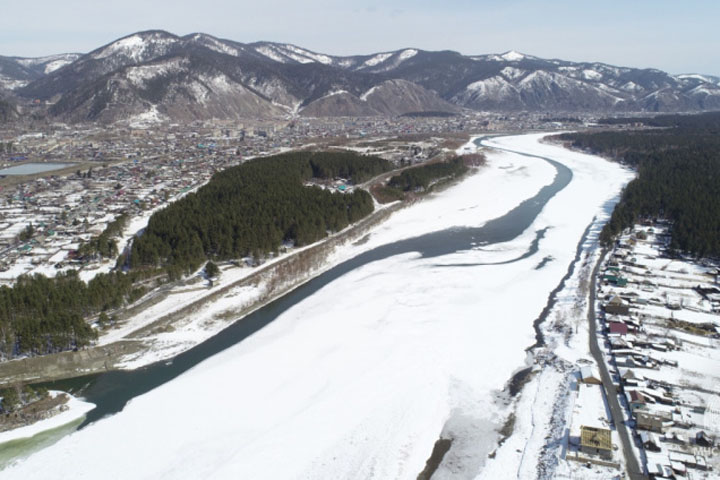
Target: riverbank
{"type": "Point", "coordinates": [66, 410]}
{"type": "Point", "coordinates": [542, 411]}
{"type": "Point", "coordinates": [189, 314]}
{"type": "Point", "coordinates": [362, 372]}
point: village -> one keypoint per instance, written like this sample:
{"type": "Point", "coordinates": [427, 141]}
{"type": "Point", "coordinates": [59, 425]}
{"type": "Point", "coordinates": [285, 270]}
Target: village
{"type": "Point", "coordinates": [658, 330]}
{"type": "Point", "coordinates": [135, 169]}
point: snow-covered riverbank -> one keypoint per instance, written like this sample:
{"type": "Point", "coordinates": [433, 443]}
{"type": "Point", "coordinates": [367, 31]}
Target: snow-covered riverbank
{"type": "Point", "coordinates": [74, 409]}
{"type": "Point", "coordinates": [361, 378]}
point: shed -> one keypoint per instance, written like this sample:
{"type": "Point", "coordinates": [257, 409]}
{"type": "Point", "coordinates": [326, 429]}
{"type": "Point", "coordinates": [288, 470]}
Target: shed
{"type": "Point", "coordinates": [703, 439]}
{"type": "Point", "coordinates": [589, 376]}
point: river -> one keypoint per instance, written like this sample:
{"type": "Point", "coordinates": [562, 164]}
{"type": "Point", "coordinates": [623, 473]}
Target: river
{"type": "Point", "coordinates": [406, 341]}
{"type": "Point", "coordinates": [111, 391]}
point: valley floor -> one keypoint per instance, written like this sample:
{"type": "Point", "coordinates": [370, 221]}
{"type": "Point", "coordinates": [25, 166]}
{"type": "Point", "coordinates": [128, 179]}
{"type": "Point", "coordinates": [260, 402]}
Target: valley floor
{"type": "Point", "coordinates": [361, 378]}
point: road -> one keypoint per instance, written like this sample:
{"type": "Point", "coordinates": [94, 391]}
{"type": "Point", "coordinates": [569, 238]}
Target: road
{"type": "Point", "coordinates": [634, 470]}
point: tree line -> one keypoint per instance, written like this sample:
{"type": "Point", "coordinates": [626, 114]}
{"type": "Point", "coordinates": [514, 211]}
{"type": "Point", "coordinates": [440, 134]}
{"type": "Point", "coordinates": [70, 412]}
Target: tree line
{"type": "Point", "coordinates": [40, 315]}
{"type": "Point", "coordinates": [421, 178]}
{"type": "Point", "coordinates": [678, 172]}
{"type": "Point", "coordinates": [105, 245]}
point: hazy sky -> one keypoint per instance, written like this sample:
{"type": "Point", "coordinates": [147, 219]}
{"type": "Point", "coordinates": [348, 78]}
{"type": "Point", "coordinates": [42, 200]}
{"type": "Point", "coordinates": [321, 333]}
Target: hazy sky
{"type": "Point", "coordinates": [676, 36]}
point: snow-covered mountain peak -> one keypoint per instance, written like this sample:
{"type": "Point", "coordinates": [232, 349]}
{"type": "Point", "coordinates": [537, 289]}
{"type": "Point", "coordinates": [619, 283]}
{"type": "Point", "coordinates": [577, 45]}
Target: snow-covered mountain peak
{"type": "Point", "coordinates": [512, 56]}
{"type": "Point", "coordinates": [135, 46]}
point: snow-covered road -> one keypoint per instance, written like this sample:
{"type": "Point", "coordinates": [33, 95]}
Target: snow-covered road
{"type": "Point", "coordinates": [361, 378]}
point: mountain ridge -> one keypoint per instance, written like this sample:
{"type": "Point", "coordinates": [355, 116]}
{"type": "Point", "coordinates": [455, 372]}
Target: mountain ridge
{"type": "Point", "coordinates": [199, 76]}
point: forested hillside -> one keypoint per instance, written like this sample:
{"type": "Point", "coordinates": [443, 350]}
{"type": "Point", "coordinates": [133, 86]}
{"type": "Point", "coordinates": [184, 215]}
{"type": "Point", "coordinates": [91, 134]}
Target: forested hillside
{"type": "Point", "coordinates": [678, 177]}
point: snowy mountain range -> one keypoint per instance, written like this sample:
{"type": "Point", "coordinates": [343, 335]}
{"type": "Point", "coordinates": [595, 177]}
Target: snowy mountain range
{"type": "Point", "coordinates": [158, 75]}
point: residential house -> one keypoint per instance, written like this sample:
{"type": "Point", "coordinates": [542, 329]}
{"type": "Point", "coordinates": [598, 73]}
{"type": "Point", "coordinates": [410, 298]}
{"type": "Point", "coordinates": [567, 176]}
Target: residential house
{"type": "Point", "coordinates": [617, 306]}
{"type": "Point", "coordinates": [619, 328]}
{"type": "Point", "coordinates": [637, 400]}
{"type": "Point", "coordinates": [596, 441]}
{"type": "Point", "coordinates": [656, 421]}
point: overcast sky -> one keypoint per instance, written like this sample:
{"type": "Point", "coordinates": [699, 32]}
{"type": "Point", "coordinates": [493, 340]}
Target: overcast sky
{"type": "Point", "coordinates": [676, 36]}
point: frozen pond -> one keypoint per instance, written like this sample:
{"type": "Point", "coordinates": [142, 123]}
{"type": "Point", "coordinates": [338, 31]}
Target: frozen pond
{"type": "Point", "coordinates": [32, 168]}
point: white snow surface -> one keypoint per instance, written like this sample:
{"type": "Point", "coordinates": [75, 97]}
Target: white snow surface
{"type": "Point", "coordinates": [141, 74]}
{"type": "Point", "coordinates": [406, 54]}
{"type": "Point", "coordinates": [512, 72]}
{"type": "Point", "coordinates": [304, 55]}
{"type": "Point", "coordinates": [52, 62]}
{"type": "Point", "coordinates": [360, 379]}
{"type": "Point", "coordinates": [365, 95]}
{"type": "Point", "coordinates": [512, 56]}
{"type": "Point", "coordinates": [270, 53]}
{"type": "Point", "coordinates": [376, 59]}
{"type": "Point", "coordinates": [135, 46]}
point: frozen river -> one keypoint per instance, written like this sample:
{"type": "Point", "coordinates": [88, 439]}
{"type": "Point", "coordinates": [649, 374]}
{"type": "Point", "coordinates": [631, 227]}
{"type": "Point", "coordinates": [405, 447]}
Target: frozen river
{"type": "Point", "coordinates": [357, 373]}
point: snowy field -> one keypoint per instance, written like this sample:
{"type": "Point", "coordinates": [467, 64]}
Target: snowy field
{"type": "Point", "coordinates": [360, 379]}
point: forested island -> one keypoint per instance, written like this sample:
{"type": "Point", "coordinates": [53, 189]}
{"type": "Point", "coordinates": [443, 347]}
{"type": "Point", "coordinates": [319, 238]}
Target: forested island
{"type": "Point", "coordinates": [247, 210]}
{"type": "Point", "coordinates": [678, 177]}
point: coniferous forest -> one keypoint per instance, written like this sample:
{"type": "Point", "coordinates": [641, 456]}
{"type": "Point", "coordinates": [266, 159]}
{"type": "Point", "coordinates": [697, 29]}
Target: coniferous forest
{"type": "Point", "coordinates": [250, 209]}
{"type": "Point", "coordinates": [678, 177]}
{"type": "Point", "coordinates": [420, 178]}
{"type": "Point", "coordinates": [41, 315]}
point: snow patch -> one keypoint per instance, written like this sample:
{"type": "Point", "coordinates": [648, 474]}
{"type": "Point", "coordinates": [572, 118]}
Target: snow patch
{"type": "Point", "coordinates": [140, 75]}
{"type": "Point", "coordinates": [376, 59]}
{"type": "Point", "coordinates": [512, 73]}
{"type": "Point", "coordinates": [270, 53]}
{"type": "Point", "coordinates": [407, 54]}
{"type": "Point", "coordinates": [365, 95]}
{"type": "Point", "coordinates": [589, 74]}
{"type": "Point", "coordinates": [312, 56]}
{"type": "Point", "coordinates": [150, 117]}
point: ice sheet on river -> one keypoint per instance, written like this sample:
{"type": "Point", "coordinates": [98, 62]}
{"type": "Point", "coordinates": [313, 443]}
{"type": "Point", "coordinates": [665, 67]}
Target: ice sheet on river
{"type": "Point", "coordinates": [360, 379]}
